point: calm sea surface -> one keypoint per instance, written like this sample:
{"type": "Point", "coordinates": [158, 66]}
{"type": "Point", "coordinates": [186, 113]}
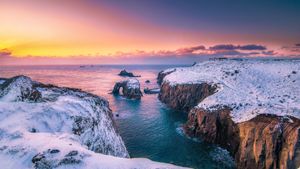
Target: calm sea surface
{"type": "Point", "coordinates": [148, 128]}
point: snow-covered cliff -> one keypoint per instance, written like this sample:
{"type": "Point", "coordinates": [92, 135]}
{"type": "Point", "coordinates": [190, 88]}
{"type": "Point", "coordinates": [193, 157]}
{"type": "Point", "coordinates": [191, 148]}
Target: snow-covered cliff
{"type": "Point", "coordinates": [250, 107]}
{"type": "Point", "coordinates": [249, 87]}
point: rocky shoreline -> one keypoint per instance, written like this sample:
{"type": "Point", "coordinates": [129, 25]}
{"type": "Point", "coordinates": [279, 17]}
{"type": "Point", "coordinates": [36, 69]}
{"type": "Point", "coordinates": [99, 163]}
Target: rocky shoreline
{"type": "Point", "coordinates": [264, 141]}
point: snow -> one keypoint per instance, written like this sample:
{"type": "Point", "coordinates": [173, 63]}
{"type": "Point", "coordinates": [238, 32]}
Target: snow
{"type": "Point", "coordinates": [13, 90]}
{"type": "Point", "coordinates": [133, 83]}
{"type": "Point", "coordinates": [43, 133]}
{"type": "Point", "coordinates": [248, 86]}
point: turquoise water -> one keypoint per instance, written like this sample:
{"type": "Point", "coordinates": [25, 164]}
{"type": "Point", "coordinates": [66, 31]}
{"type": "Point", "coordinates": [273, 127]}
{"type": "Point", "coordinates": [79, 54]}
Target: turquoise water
{"type": "Point", "coordinates": [148, 128]}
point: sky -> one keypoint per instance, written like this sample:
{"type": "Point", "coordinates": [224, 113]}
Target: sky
{"type": "Point", "coordinates": [145, 31]}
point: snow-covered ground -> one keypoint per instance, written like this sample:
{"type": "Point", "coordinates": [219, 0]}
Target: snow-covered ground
{"type": "Point", "coordinates": [50, 127]}
{"type": "Point", "coordinates": [248, 86]}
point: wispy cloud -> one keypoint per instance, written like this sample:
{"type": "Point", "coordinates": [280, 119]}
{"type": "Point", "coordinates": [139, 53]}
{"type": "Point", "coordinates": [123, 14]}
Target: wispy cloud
{"type": "Point", "coordinates": [5, 53]}
{"type": "Point", "coordinates": [238, 47]}
{"type": "Point", "coordinates": [189, 50]}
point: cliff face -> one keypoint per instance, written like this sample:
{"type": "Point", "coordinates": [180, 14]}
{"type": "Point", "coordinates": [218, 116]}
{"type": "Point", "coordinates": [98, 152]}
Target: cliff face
{"type": "Point", "coordinates": [265, 141]}
{"type": "Point", "coordinates": [184, 96]}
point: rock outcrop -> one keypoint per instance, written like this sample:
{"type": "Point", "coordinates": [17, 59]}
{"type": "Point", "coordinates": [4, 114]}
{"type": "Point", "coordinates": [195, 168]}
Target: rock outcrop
{"type": "Point", "coordinates": [151, 91]}
{"type": "Point", "coordinates": [124, 73]}
{"type": "Point", "coordinates": [130, 88]}
{"type": "Point", "coordinates": [184, 96]}
{"type": "Point", "coordinates": [257, 141]}
{"type": "Point", "coordinates": [163, 74]}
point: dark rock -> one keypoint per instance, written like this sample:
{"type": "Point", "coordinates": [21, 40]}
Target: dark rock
{"type": "Point", "coordinates": [72, 153]}
{"type": "Point", "coordinates": [33, 130]}
{"type": "Point", "coordinates": [49, 159]}
{"type": "Point", "coordinates": [69, 160]}
{"type": "Point", "coordinates": [37, 158]}
{"type": "Point", "coordinates": [127, 74]}
{"type": "Point", "coordinates": [54, 151]}
{"type": "Point", "coordinates": [151, 91]}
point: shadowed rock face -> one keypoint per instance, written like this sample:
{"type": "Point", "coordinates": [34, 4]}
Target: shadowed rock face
{"type": "Point", "coordinates": [266, 141]}
{"type": "Point", "coordinates": [130, 89]}
{"type": "Point", "coordinates": [184, 96]}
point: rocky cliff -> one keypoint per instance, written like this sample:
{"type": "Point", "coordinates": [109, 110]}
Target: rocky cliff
{"type": "Point", "coordinates": [266, 141]}
{"type": "Point", "coordinates": [184, 96]}
{"type": "Point", "coordinates": [259, 140]}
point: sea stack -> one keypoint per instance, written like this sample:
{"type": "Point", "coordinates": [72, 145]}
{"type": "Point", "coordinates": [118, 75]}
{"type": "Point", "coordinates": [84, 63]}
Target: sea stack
{"type": "Point", "coordinates": [249, 107]}
{"type": "Point", "coordinates": [124, 73]}
{"type": "Point", "coordinates": [130, 88]}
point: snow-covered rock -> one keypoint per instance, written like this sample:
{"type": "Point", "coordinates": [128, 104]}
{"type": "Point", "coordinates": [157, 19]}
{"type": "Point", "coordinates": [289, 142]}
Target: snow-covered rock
{"type": "Point", "coordinates": [44, 126]}
{"type": "Point", "coordinates": [130, 88]}
{"type": "Point", "coordinates": [249, 87]}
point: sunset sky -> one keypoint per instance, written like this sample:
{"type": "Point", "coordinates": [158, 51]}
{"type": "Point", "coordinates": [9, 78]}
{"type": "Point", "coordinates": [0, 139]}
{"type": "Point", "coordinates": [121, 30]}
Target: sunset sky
{"type": "Point", "coordinates": [145, 31]}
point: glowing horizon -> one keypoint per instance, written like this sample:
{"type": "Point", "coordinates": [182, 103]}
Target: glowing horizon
{"type": "Point", "coordinates": [110, 29]}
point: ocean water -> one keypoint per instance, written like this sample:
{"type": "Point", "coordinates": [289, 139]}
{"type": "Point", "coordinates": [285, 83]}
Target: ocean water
{"type": "Point", "coordinates": [148, 128]}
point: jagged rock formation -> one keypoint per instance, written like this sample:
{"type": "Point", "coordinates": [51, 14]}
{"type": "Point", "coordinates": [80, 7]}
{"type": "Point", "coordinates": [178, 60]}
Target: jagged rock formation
{"type": "Point", "coordinates": [45, 126]}
{"type": "Point", "coordinates": [130, 88]}
{"type": "Point", "coordinates": [261, 139]}
{"type": "Point", "coordinates": [184, 96]}
{"type": "Point", "coordinates": [124, 73]}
